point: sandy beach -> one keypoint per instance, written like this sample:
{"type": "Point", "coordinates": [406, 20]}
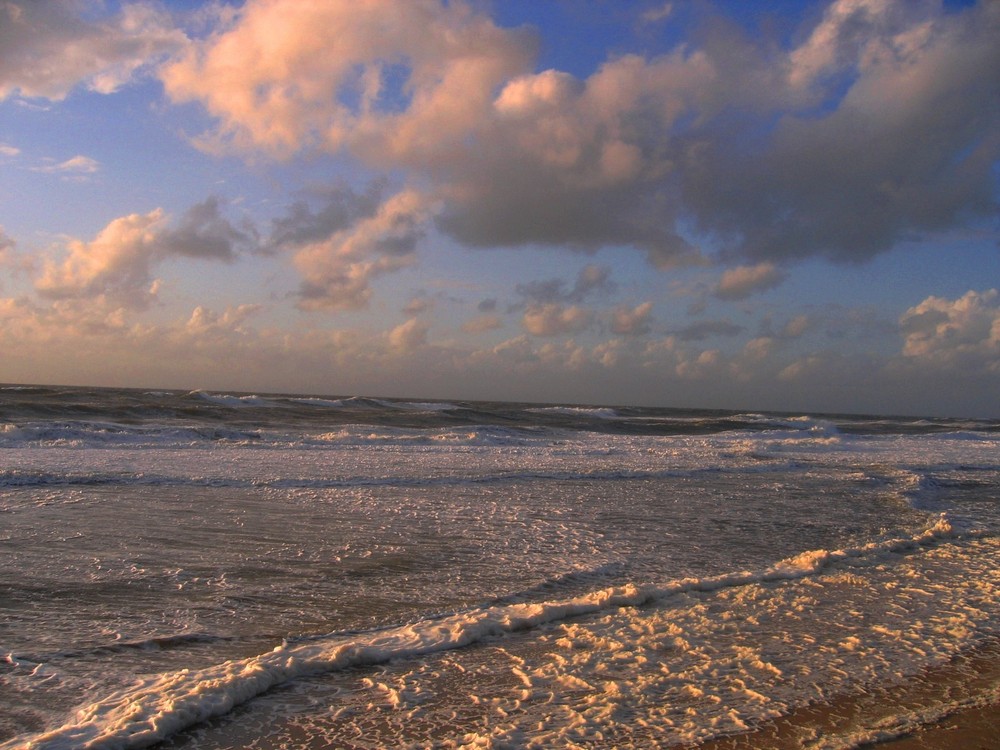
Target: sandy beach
{"type": "Point", "coordinates": [954, 706]}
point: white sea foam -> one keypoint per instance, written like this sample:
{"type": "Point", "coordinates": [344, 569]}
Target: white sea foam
{"type": "Point", "coordinates": [472, 436]}
{"type": "Point", "coordinates": [422, 405]}
{"type": "Point", "coordinates": [336, 403]}
{"type": "Point", "coordinates": [224, 399]}
{"type": "Point", "coordinates": [160, 706]}
{"type": "Point", "coordinates": [577, 411]}
{"type": "Point", "coordinates": [183, 538]}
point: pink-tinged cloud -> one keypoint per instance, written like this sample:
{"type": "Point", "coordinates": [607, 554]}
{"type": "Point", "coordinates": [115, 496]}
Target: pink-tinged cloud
{"type": "Point", "coordinates": [119, 261]}
{"type": "Point", "coordinates": [204, 320]}
{"type": "Point", "coordinates": [284, 76]}
{"type": "Point", "coordinates": [555, 320]}
{"type": "Point", "coordinates": [753, 147]}
{"type": "Point", "coordinates": [409, 335]}
{"type": "Point", "coordinates": [337, 271]}
{"type": "Point", "coordinates": [633, 321]}
{"type": "Point", "coordinates": [482, 323]}
{"type": "Point", "coordinates": [796, 327]}
{"type": "Point", "coordinates": [744, 281]}
{"type": "Point", "coordinates": [79, 165]}
{"type": "Point", "coordinates": [47, 48]}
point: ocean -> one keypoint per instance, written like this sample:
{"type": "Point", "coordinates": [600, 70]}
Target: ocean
{"type": "Point", "coordinates": [207, 570]}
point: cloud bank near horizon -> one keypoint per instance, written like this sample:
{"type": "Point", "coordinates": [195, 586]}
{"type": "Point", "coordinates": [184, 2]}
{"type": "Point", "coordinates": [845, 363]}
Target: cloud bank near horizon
{"type": "Point", "coordinates": [733, 153]}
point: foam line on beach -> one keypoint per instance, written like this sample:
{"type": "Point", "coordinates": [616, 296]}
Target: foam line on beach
{"type": "Point", "coordinates": [168, 703]}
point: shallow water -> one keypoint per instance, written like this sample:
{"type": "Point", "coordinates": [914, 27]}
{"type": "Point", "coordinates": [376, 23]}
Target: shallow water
{"type": "Point", "coordinates": [232, 570]}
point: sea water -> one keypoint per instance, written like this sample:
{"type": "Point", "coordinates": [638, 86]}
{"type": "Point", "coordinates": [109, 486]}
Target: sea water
{"type": "Point", "coordinates": [212, 570]}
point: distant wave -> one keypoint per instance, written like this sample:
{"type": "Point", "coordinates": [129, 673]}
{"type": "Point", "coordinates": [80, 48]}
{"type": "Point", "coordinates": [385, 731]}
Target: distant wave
{"type": "Point", "coordinates": [23, 478]}
{"type": "Point", "coordinates": [110, 434]}
{"type": "Point", "coordinates": [336, 403]}
{"type": "Point", "coordinates": [577, 411]}
{"type": "Point", "coordinates": [165, 704]}
{"type": "Point", "coordinates": [223, 399]}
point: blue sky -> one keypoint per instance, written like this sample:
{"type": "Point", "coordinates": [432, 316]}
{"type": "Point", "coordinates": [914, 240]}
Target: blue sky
{"type": "Point", "coordinates": [784, 205]}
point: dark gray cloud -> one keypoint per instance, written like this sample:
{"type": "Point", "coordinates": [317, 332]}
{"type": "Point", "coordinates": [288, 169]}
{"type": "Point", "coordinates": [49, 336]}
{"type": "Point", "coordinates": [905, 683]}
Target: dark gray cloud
{"type": "Point", "coordinates": [910, 148]}
{"type": "Point", "coordinates": [591, 279]}
{"type": "Point", "coordinates": [203, 232]}
{"type": "Point", "coordinates": [881, 125]}
{"type": "Point", "coordinates": [877, 122]}
{"type": "Point", "coordinates": [47, 48]}
{"type": "Point", "coordinates": [339, 208]}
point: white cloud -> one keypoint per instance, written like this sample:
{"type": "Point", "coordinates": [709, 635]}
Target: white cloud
{"type": "Point", "coordinates": [960, 333]}
{"type": "Point", "coordinates": [8, 150]}
{"type": "Point", "coordinates": [78, 165]}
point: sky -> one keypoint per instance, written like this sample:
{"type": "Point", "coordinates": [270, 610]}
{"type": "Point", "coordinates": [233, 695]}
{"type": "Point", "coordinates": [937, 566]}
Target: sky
{"type": "Point", "coordinates": [742, 205]}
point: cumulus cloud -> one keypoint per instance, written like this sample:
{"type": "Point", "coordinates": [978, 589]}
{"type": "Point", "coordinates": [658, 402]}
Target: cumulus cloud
{"type": "Point", "coordinates": [754, 150]}
{"type": "Point", "coordinates": [960, 333]}
{"type": "Point", "coordinates": [634, 321]}
{"type": "Point", "coordinates": [706, 364]}
{"type": "Point", "coordinates": [555, 320]}
{"type": "Point", "coordinates": [119, 261]}
{"type": "Point", "coordinates": [351, 238]}
{"type": "Point", "coordinates": [204, 320]}
{"type": "Point", "coordinates": [47, 47]}
{"type": "Point", "coordinates": [409, 335]}
{"type": "Point", "coordinates": [338, 270]}
{"type": "Point", "coordinates": [742, 282]}
{"type": "Point", "coordinates": [885, 133]}
{"type": "Point", "coordinates": [401, 80]}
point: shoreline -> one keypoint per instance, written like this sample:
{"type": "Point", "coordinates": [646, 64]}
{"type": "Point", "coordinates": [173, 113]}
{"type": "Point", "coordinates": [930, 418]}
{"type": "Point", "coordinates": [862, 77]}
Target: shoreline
{"type": "Point", "coordinates": [973, 728]}
{"type": "Point", "coordinates": [953, 706]}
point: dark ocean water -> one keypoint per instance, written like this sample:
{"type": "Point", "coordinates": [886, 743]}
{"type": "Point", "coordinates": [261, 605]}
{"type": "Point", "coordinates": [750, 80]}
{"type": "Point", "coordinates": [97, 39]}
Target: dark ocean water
{"type": "Point", "coordinates": [221, 570]}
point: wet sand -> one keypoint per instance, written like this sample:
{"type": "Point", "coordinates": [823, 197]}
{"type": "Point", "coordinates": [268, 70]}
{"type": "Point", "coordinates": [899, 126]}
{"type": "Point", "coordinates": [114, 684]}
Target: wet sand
{"type": "Point", "coordinates": [970, 729]}
{"type": "Point", "coordinates": [952, 707]}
